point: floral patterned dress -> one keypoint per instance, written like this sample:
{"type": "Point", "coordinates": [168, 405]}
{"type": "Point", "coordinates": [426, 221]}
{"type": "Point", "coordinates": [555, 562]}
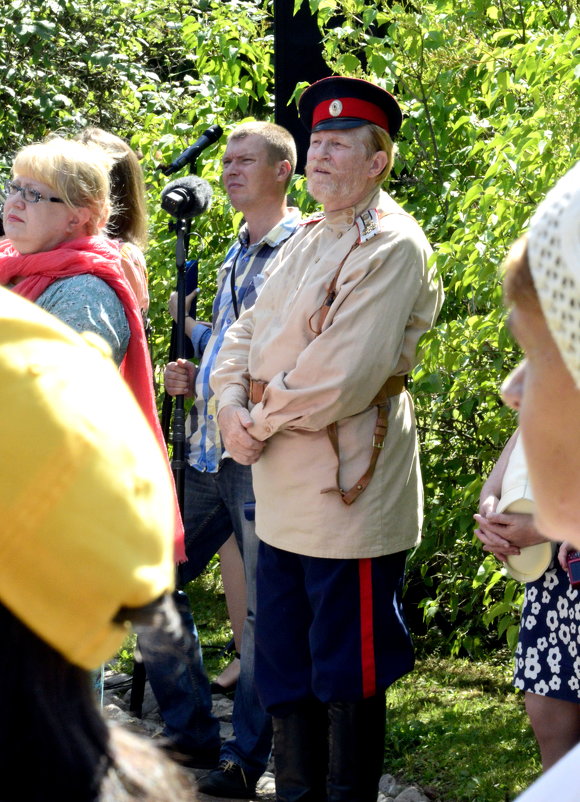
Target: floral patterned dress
{"type": "Point", "coordinates": [548, 655]}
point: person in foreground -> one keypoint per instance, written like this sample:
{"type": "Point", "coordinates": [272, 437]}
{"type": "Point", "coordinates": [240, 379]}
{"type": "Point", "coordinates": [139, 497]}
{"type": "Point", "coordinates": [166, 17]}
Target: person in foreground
{"type": "Point", "coordinates": [311, 386]}
{"type": "Point", "coordinates": [546, 665]}
{"type": "Point", "coordinates": [542, 287]}
{"type": "Point", "coordinates": [86, 545]}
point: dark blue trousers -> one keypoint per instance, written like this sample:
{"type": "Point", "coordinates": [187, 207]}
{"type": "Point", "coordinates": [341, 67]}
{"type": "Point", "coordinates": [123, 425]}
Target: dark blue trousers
{"type": "Point", "coordinates": [328, 629]}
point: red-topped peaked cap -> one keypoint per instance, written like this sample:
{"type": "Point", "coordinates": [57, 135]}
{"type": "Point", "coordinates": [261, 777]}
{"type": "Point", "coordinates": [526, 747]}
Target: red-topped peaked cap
{"type": "Point", "coordinates": [338, 102]}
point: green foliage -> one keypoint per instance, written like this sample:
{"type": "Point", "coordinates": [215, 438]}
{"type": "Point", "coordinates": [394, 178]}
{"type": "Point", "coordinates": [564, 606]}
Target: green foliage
{"type": "Point", "coordinates": [153, 72]}
{"type": "Point", "coordinates": [490, 95]}
{"type": "Point", "coordinates": [491, 101]}
{"type": "Point", "coordinates": [124, 659]}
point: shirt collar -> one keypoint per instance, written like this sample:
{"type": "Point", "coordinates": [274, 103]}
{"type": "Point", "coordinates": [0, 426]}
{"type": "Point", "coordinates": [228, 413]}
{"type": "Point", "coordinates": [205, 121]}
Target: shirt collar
{"type": "Point", "coordinates": [344, 218]}
{"type": "Point", "coordinates": [277, 234]}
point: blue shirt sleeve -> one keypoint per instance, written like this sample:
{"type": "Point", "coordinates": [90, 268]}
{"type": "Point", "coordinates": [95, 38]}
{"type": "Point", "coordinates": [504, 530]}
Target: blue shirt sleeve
{"type": "Point", "coordinates": [199, 339]}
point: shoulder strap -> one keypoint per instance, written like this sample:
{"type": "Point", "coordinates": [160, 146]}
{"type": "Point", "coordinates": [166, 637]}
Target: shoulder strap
{"type": "Point", "coordinates": [382, 401]}
{"type": "Point", "coordinates": [233, 287]}
{"type": "Point", "coordinates": [369, 226]}
{"type": "Point", "coordinates": [330, 294]}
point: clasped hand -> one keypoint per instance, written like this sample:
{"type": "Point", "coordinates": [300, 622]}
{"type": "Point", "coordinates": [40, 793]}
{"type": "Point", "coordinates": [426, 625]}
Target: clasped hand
{"type": "Point", "coordinates": [234, 423]}
{"type": "Point", "coordinates": [504, 534]}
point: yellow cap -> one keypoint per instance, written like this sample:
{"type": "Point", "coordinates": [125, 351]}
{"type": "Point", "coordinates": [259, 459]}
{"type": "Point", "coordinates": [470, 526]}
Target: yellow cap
{"type": "Point", "coordinates": [86, 505]}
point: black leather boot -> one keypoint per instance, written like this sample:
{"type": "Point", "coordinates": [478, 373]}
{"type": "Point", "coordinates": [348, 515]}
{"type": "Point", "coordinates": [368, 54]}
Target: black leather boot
{"type": "Point", "coordinates": [357, 747]}
{"type": "Point", "coordinates": [301, 753]}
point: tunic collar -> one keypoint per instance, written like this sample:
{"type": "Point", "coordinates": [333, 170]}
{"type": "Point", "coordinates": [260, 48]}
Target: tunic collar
{"type": "Point", "coordinates": [344, 218]}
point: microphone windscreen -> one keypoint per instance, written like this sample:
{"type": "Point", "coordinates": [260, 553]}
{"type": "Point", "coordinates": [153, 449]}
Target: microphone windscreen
{"type": "Point", "coordinates": [186, 197]}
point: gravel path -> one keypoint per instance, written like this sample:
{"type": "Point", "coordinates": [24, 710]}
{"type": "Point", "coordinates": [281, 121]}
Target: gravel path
{"type": "Point", "coordinates": [116, 707]}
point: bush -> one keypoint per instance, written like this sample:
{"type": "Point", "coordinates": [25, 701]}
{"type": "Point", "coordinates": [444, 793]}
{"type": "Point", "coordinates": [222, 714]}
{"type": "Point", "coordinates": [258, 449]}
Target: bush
{"type": "Point", "coordinates": [490, 96]}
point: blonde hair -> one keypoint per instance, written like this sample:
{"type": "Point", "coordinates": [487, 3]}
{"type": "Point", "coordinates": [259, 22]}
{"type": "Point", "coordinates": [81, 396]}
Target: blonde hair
{"type": "Point", "coordinates": [279, 142]}
{"type": "Point", "coordinates": [376, 138]}
{"type": "Point", "coordinates": [78, 173]}
{"type": "Point", "coordinates": [128, 220]}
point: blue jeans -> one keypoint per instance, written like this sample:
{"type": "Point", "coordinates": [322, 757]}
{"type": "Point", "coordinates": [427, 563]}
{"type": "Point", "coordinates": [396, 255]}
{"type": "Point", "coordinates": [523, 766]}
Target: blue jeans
{"type": "Point", "coordinates": [213, 508]}
{"type": "Point", "coordinates": [174, 668]}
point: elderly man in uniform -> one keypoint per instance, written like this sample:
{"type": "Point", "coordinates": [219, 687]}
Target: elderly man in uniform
{"type": "Point", "coordinates": [311, 386]}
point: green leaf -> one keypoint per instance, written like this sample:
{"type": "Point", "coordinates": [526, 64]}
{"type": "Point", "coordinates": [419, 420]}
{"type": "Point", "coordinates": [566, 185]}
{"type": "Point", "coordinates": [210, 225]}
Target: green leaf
{"type": "Point", "coordinates": [472, 193]}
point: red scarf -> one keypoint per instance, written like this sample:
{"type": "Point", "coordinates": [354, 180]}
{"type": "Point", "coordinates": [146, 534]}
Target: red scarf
{"type": "Point", "coordinates": [97, 256]}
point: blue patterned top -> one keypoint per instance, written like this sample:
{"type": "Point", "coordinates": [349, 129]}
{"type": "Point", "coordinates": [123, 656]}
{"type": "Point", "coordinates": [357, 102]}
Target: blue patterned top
{"type": "Point", "coordinates": [248, 263]}
{"type": "Point", "coordinates": [87, 303]}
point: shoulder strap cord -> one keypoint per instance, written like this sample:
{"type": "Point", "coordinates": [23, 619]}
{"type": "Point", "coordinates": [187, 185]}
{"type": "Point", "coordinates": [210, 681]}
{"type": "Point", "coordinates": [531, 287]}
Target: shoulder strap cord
{"type": "Point", "coordinates": [323, 310]}
{"type": "Point", "coordinates": [233, 285]}
{"type": "Point", "coordinates": [382, 401]}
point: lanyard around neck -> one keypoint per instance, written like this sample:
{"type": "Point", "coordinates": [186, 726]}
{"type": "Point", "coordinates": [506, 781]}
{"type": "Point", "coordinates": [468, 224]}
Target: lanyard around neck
{"type": "Point", "coordinates": [233, 284]}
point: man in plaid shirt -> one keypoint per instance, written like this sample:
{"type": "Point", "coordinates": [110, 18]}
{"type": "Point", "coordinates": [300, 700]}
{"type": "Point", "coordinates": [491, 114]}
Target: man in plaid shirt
{"type": "Point", "coordinates": [258, 165]}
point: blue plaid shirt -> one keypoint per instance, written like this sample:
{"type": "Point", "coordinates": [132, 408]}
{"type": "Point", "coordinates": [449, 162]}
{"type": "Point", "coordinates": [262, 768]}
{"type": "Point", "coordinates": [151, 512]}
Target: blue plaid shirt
{"type": "Point", "coordinates": [248, 263]}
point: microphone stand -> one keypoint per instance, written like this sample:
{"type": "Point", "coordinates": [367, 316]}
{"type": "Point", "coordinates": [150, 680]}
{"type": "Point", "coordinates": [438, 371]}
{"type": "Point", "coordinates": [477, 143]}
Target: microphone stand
{"type": "Point", "coordinates": [182, 228]}
{"type": "Point", "coordinates": [191, 275]}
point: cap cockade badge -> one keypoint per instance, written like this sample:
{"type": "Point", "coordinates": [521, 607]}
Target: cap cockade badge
{"type": "Point", "coordinates": [335, 108]}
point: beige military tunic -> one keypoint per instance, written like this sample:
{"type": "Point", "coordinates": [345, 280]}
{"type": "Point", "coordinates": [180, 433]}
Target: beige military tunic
{"type": "Point", "coordinates": [386, 299]}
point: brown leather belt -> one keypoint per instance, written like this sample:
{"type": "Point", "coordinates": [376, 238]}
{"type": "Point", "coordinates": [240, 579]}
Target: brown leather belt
{"type": "Point", "coordinates": [257, 388]}
{"type": "Point", "coordinates": [395, 385]}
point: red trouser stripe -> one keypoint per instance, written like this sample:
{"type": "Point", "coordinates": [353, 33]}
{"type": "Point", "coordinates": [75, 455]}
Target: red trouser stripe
{"type": "Point", "coordinates": [369, 676]}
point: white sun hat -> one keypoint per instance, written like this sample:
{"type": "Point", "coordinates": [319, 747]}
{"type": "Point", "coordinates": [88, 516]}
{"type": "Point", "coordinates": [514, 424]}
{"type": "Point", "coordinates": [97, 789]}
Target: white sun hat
{"type": "Point", "coordinates": [554, 258]}
{"type": "Point", "coordinates": [516, 496]}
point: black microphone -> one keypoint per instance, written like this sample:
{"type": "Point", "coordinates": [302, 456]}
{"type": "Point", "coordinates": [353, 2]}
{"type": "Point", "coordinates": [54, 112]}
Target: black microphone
{"type": "Point", "coordinates": [186, 197]}
{"type": "Point", "coordinates": [191, 153]}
